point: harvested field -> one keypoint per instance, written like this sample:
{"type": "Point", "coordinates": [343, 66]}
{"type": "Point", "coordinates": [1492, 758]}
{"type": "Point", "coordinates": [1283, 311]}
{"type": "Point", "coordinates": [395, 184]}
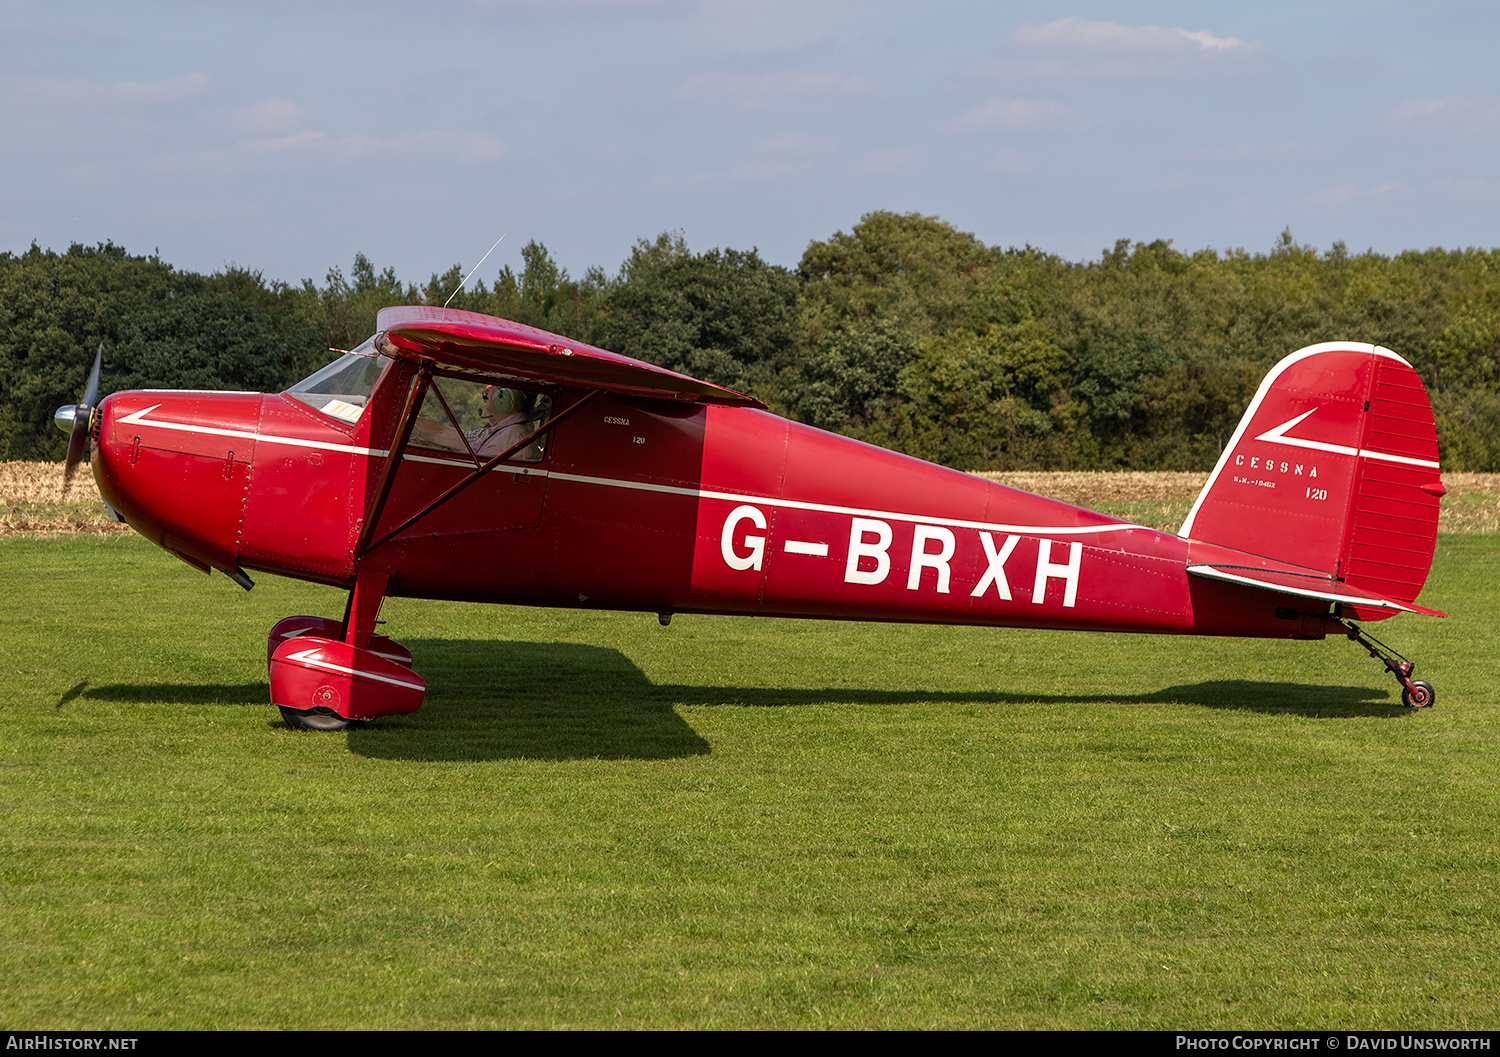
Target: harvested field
{"type": "Point", "coordinates": [1472, 505]}
{"type": "Point", "coordinates": [1162, 500]}
{"type": "Point", "coordinates": [31, 498]}
{"type": "Point", "coordinates": [32, 504]}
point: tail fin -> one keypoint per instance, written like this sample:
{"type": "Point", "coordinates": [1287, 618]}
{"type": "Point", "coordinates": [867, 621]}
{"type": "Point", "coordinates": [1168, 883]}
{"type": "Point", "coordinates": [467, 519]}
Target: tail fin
{"type": "Point", "coordinates": [1334, 467]}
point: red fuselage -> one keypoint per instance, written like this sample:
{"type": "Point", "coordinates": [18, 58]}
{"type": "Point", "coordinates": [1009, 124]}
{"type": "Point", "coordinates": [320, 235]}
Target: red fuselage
{"type": "Point", "coordinates": [650, 505]}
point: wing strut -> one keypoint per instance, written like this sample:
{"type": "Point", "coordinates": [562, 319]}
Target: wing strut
{"type": "Point", "coordinates": [480, 471]}
{"type": "Point", "coordinates": [393, 460]}
{"type": "Point", "coordinates": [437, 391]}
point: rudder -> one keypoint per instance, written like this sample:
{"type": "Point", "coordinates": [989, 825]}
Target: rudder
{"type": "Point", "coordinates": [1333, 467]}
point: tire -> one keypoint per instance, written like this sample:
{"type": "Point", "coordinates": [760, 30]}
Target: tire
{"type": "Point", "coordinates": [1421, 695]}
{"type": "Point", "coordinates": [315, 719]}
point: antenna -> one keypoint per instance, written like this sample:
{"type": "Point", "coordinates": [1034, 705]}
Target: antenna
{"type": "Point", "coordinates": [472, 270]}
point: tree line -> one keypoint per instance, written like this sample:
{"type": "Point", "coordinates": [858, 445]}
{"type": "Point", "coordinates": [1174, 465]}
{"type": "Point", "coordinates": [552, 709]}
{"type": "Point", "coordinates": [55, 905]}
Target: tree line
{"type": "Point", "coordinates": [904, 331]}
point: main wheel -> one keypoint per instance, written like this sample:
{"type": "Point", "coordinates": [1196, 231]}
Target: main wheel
{"type": "Point", "coordinates": [315, 719]}
{"type": "Point", "coordinates": [1421, 695]}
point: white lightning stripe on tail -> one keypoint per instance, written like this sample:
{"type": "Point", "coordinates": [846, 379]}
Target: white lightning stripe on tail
{"type": "Point", "coordinates": [1269, 380]}
{"type": "Point", "coordinates": [1277, 435]}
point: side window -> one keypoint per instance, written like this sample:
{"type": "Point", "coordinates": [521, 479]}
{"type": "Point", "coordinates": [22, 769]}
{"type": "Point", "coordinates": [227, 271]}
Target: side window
{"type": "Point", "coordinates": [492, 418]}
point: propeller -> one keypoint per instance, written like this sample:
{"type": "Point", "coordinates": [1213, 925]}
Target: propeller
{"type": "Point", "coordinates": [73, 419]}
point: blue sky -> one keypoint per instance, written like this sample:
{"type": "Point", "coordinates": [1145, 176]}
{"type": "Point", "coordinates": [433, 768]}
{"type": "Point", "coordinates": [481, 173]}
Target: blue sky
{"type": "Point", "coordinates": [287, 135]}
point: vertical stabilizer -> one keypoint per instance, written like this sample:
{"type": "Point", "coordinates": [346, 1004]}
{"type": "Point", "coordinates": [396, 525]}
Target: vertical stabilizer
{"type": "Point", "coordinates": [1334, 467]}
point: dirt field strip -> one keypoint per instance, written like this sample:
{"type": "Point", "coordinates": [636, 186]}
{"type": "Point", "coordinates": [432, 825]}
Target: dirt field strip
{"type": "Point", "coordinates": [31, 498]}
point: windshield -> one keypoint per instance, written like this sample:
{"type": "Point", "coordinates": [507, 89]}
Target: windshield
{"type": "Point", "coordinates": [343, 387]}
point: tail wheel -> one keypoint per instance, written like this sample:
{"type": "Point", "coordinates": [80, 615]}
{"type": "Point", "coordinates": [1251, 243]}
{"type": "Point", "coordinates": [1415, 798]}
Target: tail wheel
{"type": "Point", "coordinates": [1421, 695]}
{"type": "Point", "coordinates": [315, 719]}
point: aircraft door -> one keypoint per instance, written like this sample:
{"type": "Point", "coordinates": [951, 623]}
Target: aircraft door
{"type": "Point", "coordinates": [462, 424]}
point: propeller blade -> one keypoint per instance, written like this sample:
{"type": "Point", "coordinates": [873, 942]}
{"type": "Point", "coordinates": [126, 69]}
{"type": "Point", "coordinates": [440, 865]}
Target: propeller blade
{"type": "Point", "coordinates": [78, 436]}
{"type": "Point", "coordinates": [91, 391]}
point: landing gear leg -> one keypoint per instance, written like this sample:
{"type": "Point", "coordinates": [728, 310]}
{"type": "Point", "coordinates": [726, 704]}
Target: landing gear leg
{"type": "Point", "coordinates": [1414, 692]}
{"type": "Point", "coordinates": [364, 607]}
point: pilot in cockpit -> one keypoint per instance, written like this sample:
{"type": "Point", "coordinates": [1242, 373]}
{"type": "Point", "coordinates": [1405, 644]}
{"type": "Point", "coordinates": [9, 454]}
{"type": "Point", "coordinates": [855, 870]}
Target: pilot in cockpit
{"type": "Point", "coordinates": [510, 414]}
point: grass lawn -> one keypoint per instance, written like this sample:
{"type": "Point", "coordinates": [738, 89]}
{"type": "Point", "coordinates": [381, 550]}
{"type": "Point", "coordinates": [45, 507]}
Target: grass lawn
{"type": "Point", "coordinates": [596, 821]}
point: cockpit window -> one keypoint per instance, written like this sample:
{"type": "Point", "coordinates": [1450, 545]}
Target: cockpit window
{"type": "Point", "coordinates": [343, 387]}
{"type": "Point", "coordinates": [493, 418]}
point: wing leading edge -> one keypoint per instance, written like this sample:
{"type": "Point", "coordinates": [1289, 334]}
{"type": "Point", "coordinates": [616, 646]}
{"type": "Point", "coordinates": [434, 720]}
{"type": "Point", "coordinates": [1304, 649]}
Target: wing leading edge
{"type": "Point", "coordinates": [471, 340]}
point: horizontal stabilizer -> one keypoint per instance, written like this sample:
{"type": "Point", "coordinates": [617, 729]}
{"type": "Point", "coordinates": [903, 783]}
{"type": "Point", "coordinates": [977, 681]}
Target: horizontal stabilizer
{"type": "Point", "coordinates": [478, 342]}
{"type": "Point", "coordinates": [1309, 585]}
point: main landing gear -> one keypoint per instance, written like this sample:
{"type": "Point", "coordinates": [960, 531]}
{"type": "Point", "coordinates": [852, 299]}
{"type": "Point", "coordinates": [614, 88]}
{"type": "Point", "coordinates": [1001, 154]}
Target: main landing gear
{"type": "Point", "coordinates": [1414, 692]}
{"type": "Point", "coordinates": [332, 675]}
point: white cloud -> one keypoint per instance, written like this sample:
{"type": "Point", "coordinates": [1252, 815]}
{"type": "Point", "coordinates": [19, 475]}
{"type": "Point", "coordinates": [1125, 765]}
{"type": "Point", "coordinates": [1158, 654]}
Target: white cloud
{"type": "Point", "coordinates": [270, 117]}
{"type": "Point", "coordinates": [55, 118]}
{"type": "Point", "coordinates": [1003, 113]}
{"type": "Point", "coordinates": [171, 90]}
{"type": "Point", "coordinates": [1073, 48]}
{"type": "Point", "coordinates": [1454, 115]}
{"type": "Point", "coordinates": [776, 92]}
{"type": "Point", "coordinates": [1113, 38]}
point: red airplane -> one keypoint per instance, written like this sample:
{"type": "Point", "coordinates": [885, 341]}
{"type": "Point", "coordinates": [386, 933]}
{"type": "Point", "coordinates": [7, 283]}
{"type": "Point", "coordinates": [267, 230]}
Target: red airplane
{"type": "Point", "coordinates": [458, 456]}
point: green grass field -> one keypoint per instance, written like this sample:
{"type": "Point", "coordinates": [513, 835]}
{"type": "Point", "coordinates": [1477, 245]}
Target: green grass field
{"type": "Point", "coordinates": [596, 821]}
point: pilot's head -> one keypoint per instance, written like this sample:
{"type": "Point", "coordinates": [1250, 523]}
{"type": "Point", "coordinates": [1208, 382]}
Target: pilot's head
{"type": "Point", "coordinates": [501, 402]}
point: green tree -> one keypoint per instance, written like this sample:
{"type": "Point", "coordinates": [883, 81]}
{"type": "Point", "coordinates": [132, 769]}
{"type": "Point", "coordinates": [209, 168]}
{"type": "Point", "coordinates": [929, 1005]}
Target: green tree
{"type": "Point", "coordinates": [206, 340]}
{"type": "Point", "coordinates": [914, 268]}
{"type": "Point", "coordinates": [975, 400]}
{"type": "Point", "coordinates": [724, 315]}
{"type": "Point", "coordinates": [344, 311]}
{"type": "Point", "coordinates": [848, 380]}
{"type": "Point", "coordinates": [158, 326]}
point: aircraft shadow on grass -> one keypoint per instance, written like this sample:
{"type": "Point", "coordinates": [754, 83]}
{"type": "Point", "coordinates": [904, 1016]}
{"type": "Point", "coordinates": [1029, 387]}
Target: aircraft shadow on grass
{"type": "Point", "coordinates": [565, 701]}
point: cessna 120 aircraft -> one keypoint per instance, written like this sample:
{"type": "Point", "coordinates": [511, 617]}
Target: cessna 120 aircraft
{"type": "Point", "coordinates": [459, 456]}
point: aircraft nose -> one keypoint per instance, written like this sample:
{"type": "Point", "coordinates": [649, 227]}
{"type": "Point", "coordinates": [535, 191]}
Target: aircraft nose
{"type": "Point", "coordinates": [176, 467]}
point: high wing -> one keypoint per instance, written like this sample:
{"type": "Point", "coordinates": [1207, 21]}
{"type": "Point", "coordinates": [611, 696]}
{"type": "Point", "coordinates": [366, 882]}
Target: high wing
{"type": "Point", "coordinates": [478, 342]}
